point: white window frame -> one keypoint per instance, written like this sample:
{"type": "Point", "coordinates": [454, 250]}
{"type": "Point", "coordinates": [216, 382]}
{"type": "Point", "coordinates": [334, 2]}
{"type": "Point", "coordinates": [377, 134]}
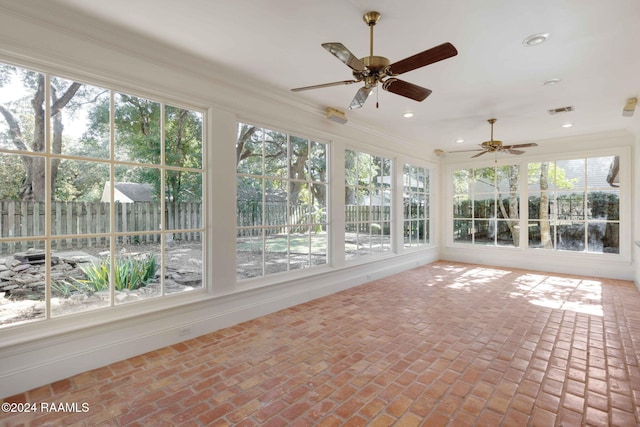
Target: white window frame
{"type": "Point", "coordinates": [265, 276]}
{"type": "Point", "coordinates": [116, 311]}
{"type": "Point", "coordinates": [625, 252]}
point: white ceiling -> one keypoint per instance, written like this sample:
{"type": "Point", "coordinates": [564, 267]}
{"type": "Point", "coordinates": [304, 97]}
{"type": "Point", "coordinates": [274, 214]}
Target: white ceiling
{"type": "Point", "coordinates": [593, 48]}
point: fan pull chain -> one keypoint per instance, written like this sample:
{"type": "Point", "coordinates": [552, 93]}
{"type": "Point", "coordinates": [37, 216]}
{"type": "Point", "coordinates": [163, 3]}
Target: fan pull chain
{"type": "Point", "coordinates": [377, 92]}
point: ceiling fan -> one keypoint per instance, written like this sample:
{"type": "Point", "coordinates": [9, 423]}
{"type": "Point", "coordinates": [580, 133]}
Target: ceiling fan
{"type": "Point", "coordinates": [378, 69]}
{"type": "Point", "coordinates": [493, 146]}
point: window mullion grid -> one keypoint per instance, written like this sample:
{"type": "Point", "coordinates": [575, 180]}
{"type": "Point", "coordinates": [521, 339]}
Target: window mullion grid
{"type": "Point", "coordinates": [585, 225]}
{"type": "Point", "coordinates": [48, 194]}
{"type": "Point", "coordinates": [308, 179]}
{"type": "Point", "coordinates": [496, 195]}
{"type": "Point", "coordinates": [163, 198]}
{"type": "Point", "coordinates": [472, 201]}
{"type": "Point", "coordinates": [523, 205]}
{"type": "Point", "coordinates": [112, 191]}
{"type": "Point", "coordinates": [556, 210]}
{"type": "Point", "coordinates": [264, 206]}
{"type": "Point", "coordinates": [288, 223]}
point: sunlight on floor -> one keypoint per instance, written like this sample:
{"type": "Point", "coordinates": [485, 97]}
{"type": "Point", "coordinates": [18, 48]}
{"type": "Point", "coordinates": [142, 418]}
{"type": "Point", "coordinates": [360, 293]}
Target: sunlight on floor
{"type": "Point", "coordinates": [565, 293]}
{"type": "Point", "coordinates": [478, 276]}
{"type": "Point", "coordinates": [580, 295]}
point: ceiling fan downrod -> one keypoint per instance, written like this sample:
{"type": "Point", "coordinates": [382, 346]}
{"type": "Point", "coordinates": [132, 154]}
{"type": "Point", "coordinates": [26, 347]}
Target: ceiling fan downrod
{"type": "Point", "coordinates": [371, 19]}
{"type": "Point", "coordinates": [492, 121]}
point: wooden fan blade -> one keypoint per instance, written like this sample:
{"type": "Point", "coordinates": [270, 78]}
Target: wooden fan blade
{"type": "Point", "coordinates": [532, 144]}
{"type": "Point", "coordinates": [429, 56]}
{"type": "Point", "coordinates": [361, 97]}
{"type": "Point", "coordinates": [406, 89]}
{"type": "Point", "coordinates": [465, 151]}
{"type": "Point", "coordinates": [343, 54]}
{"type": "Point", "coordinates": [512, 151]}
{"type": "Point", "coordinates": [343, 82]}
{"type": "Point", "coordinates": [479, 154]}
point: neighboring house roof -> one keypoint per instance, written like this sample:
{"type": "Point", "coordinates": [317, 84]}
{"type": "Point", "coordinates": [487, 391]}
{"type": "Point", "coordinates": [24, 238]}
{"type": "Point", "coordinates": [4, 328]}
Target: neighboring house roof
{"type": "Point", "coordinates": [128, 192]}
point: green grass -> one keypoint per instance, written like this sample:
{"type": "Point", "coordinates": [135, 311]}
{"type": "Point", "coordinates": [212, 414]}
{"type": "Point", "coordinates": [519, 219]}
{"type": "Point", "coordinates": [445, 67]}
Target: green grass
{"type": "Point", "coordinates": [279, 243]}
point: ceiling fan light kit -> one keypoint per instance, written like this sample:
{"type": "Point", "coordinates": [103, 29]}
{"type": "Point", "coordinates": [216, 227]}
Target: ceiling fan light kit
{"type": "Point", "coordinates": [630, 107]}
{"type": "Point", "coordinates": [375, 69]}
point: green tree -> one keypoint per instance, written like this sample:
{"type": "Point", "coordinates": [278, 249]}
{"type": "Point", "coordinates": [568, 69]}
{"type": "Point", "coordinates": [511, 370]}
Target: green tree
{"type": "Point", "coordinates": [543, 173]}
{"type": "Point", "coordinates": [359, 169]}
{"type": "Point", "coordinates": [11, 176]}
{"type": "Point", "coordinates": [256, 147]}
{"type": "Point", "coordinates": [183, 147]}
{"type": "Point", "coordinates": [496, 177]}
{"type": "Point", "coordinates": [26, 121]}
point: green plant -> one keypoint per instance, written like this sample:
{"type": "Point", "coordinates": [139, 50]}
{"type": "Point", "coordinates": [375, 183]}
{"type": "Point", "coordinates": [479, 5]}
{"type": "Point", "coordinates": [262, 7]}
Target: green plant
{"type": "Point", "coordinates": [62, 288]}
{"type": "Point", "coordinates": [129, 273]}
{"type": "Point", "coordinates": [66, 289]}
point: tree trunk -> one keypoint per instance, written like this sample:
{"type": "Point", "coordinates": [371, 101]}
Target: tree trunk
{"type": "Point", "coordinates": [513, 215]}
{"type": "Point", "coordinates": [241, 152]}
{"type": "Point", "coordinates": [35, 184]}
{"type": "Point", "coordinates": [545, 228]}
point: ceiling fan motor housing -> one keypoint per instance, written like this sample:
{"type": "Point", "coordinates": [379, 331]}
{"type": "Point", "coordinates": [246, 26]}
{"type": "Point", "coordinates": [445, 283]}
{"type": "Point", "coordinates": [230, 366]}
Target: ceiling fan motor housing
{"type": "Point", "coordinates": [377, 67]}
{"type": "Point", "coordinates": [492, 145]}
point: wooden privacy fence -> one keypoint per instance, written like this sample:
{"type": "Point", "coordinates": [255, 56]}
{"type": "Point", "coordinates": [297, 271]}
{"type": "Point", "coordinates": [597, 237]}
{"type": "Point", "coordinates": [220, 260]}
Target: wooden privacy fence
{"type": "Point", "coordinates": [68, 219]}
{"type": "Point", "coordinates": [358, 218]}
{"type": "Point", "coordinates": [249, 215]}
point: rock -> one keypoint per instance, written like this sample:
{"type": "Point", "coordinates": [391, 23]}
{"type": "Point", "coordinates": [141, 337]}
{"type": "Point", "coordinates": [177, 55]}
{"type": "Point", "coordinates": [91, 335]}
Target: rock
{"type": "Point", "coordinates": [195, 261]}
{"type": "Point", "coordinates": [19, 292]}
{"type": "Point", "coordinates": [25, 283]}
{"type": "Point", "coordinates": [188, 280]}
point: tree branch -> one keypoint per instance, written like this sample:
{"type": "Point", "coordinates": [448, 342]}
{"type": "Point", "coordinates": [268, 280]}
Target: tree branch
{"type": "Point", "coordinates": [61, 102]}
{"type": "Point", "coordinates": [14, 130]}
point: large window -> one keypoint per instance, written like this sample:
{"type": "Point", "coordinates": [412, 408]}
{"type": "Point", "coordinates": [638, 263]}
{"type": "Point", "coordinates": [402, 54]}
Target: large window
{"type": "Point", "coordinates": [416, 204]}
{"type": "Point", "coordinates": [574, 205]}
{"type": "Point", "coordinates": [91, 218]}
{"type": "Point", "coordinates": [486, 206]}
{"type": "Point", "coordinates": [282, 187]}
{"type": "Point", "coordinates": [368, 198]}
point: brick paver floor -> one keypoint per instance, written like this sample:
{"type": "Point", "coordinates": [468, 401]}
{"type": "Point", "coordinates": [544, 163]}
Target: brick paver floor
{"type": "Point", "coordinates": [447, 344]}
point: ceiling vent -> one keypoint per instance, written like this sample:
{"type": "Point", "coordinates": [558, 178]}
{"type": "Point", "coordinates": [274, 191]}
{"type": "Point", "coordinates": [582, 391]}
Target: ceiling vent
{"type": "Point", "coordinates": [561, 110]}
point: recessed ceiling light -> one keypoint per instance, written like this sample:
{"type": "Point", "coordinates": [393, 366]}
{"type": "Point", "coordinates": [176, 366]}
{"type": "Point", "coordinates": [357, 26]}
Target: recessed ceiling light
{"type": "Point", "coordinates": [407, 114]}
{"type": "Point", "coordinates": [459, 140]}
{"type": "Point", "coordinates": [535, 39]}
{"type": "Point", "coordinates": [567, 125]}
{"type": "Point", "coordinates": [552, 82]}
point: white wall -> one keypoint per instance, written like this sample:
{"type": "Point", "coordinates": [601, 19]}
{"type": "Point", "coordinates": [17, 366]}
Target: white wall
{"type": "Point", "coordinates": [636, 202]}
{"type": "Point", "coordinates": [37, 353]}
